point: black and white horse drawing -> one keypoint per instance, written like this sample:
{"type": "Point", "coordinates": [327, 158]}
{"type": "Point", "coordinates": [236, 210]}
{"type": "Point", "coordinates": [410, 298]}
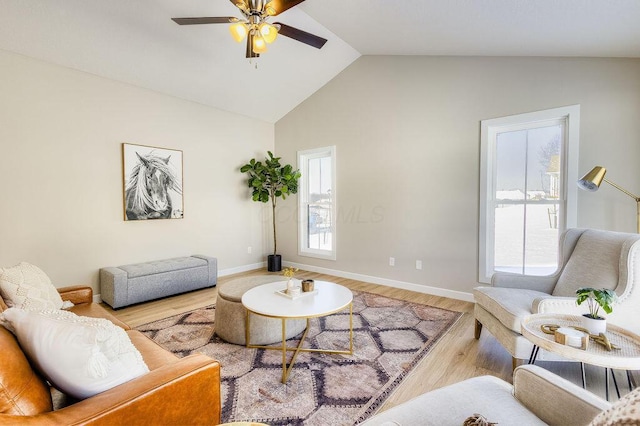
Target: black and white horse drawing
{"type": "Point", "coordinates": [146, 191]}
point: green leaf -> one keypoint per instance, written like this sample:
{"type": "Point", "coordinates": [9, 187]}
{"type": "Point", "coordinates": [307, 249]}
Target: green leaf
{"type": "Point", "coordinates": [270, 179]}
{"type": "Point", "coordinates": [596, 298]}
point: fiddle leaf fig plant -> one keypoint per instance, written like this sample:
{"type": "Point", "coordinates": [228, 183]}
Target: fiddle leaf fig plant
{"type": "Point", "coordinates": [270, 180]}
{"type": "Point", "coordinates": [596, 299]}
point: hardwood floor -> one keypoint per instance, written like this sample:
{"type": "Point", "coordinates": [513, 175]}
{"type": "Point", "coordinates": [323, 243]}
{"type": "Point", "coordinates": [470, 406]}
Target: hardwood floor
{"type": "Point", "coordinates": [458, 355]}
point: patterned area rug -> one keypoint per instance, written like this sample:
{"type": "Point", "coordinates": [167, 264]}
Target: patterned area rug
{"type": "Point", "coordinates": [390, 337]}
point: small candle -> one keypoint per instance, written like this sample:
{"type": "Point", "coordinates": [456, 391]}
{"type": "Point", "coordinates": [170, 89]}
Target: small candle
{"type": "Point", "coordinates": [307, 285]}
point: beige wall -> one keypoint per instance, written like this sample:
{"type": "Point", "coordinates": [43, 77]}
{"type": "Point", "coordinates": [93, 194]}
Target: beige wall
{"type": "Point", "coordinates": [391, 118]}
{"type": "Point", "coordinates": [61, 175]}
{"type": "Point", "coordinates": [407, 133]}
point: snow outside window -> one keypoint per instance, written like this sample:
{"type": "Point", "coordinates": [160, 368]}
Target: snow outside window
{"type": "Point", "coordinates": [317, 207]}
{"type": "Point", "coordinates": [528, 190]}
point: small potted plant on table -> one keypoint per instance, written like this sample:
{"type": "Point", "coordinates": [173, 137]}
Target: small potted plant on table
{"type": "Point", "coordinates": [596, 299]}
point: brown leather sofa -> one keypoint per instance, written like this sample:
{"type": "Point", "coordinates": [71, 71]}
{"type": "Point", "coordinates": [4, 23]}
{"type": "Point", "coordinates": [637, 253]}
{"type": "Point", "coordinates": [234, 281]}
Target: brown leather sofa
{"type": "Point", "coordinates": [176, 391]}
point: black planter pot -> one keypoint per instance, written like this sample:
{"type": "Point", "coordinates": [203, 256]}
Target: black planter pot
{"type": "Point", "coordinates": [274, 263]}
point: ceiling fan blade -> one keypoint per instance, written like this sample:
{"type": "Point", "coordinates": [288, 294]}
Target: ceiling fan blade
{"type": "Point", "coordinates": [242, 5]}
{"type": "Point", "coordinates": [301, 36]}
{"type": "Point", "coordinates": [212, 20]}
{"type": "Point", "coordinates": [276, 7]}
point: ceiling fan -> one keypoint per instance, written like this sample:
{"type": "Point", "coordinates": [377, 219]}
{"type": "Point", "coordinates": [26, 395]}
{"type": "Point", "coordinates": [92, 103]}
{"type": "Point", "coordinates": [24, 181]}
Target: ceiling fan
{"type": "Point", "coordinates": [255, 27]}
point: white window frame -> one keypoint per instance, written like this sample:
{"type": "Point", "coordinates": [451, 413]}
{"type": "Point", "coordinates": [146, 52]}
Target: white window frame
{"type": "Point", "coordinates": [303, 203]}
{"type": "Point", "coordinates": [488, 133]}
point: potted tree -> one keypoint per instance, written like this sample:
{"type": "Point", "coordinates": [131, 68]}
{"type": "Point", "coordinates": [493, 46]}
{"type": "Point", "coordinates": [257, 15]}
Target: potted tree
{"type": "Point", "coordinates": [268, 182]}
{"type": "Point", "coordinates": [596, 299]}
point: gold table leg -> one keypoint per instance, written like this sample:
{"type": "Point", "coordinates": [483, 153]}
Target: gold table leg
{"type": "Point", "coordinates": [285, 373]}
{"type": "Point", "coordinates": [284, 348]}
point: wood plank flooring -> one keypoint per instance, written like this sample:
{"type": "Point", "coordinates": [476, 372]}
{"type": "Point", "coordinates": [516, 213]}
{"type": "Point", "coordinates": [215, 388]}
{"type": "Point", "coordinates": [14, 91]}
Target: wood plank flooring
{"type": "Point", "coordinates": [456, 357]}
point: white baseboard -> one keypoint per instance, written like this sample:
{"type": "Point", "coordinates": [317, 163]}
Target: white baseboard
{"type": "Point", "coordinates": [244, 268]}
{"type": "Point", "coordinates": [418, 288]}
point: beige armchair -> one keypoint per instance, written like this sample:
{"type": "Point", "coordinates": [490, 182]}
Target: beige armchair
{"type": "Point", "coordinates": [588, 258]}
{"type": "Point", "coordinates": [537, 397]}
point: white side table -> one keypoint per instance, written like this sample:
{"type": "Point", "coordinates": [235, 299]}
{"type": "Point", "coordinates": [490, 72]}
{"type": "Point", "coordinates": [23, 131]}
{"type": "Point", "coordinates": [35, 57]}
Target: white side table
{"type": "Point", "coordinates": [328, 298]}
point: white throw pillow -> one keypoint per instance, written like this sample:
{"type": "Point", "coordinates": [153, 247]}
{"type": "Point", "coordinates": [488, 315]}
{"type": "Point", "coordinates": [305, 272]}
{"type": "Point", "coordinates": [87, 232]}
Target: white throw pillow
{"type": "Point", "coordinates": [26, 286]}
{"type": "Point", "coordinates": [80, 356]}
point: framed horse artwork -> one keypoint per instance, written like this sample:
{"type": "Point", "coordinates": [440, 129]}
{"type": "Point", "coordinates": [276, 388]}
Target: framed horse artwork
{"type": "Point", "coordinates": [152, 182]}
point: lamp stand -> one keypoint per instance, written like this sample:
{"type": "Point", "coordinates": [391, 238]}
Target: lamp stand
{"type": "Point", "coordinates": [632, 195]}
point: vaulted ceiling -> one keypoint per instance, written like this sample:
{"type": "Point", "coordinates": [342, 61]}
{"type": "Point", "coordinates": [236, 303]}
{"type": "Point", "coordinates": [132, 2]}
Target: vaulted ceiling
{"type": "Point", "coordinates": [135, 41]}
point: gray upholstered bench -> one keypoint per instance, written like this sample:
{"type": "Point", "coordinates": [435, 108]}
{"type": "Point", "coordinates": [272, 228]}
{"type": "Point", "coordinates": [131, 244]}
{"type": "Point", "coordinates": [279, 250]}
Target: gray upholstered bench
{"type": "Point", "coordinates": [231, 315]}
{"type": "Point", "coordinates": [141, 282]}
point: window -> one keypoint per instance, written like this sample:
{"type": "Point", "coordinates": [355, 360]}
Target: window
{"type": "Point", "coordinates": [527, 190]}
{"type": "Point", "coordinates": [317, 207]}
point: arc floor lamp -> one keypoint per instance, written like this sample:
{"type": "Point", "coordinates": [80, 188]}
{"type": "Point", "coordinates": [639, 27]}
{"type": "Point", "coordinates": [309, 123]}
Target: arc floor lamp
{"type": "Point", "coordinates": [592, 180]}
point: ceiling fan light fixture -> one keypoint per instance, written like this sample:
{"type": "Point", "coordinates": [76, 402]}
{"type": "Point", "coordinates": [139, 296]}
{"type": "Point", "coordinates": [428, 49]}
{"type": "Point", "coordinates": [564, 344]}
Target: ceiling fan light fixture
{"type": "Point", "coordinates": [259, 44]}
{"type": "Point", "coordinates": [268, 32]}
{"type": "Point", "coordinates": [254, 29]}
{"type": "Point", "coordinates": [238, 31]}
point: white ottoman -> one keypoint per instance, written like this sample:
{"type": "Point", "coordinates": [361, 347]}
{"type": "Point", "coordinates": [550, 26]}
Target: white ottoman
{"type": "Point", "coordinates": [231, 315]}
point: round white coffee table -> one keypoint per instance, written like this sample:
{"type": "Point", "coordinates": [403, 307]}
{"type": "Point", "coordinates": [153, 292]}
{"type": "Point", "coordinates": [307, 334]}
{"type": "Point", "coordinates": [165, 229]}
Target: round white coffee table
{"type": "Point", "coordinates": [327, 298]}
{"type": "Point", "coordinates": [627, 357]}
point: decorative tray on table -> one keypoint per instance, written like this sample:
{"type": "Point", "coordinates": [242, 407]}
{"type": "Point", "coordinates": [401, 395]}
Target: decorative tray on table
{"type": "Point", "coordinates": [283, 292]}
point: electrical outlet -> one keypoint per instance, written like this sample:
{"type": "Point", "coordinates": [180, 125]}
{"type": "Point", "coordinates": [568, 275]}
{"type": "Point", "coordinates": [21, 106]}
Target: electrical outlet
{"type": "Point", "coordinates": [249, 250]}
{"type": "Point", "coordinates": [418, 264]}
{"type": "Point", "coordinates": [392, 261]}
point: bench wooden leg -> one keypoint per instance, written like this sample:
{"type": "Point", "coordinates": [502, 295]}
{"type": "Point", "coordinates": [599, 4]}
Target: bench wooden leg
{"type": "Point", "coordinates": [478, 329]}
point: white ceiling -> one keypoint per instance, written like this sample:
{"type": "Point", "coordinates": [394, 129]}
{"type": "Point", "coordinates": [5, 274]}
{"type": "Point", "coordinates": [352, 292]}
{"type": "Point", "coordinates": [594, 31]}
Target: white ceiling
{"type": "Point", "coordinates": [596, 28]}
{"type": "Point", "coordinates": [135, 41]}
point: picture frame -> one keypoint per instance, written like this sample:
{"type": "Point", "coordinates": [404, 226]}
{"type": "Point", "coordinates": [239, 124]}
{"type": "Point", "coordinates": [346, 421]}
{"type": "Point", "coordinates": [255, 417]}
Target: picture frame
{"type": "Point", "coordinates": [152, 182]}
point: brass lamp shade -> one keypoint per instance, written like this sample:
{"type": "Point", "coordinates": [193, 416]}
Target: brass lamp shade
{"type": "Point", "coordinates": [592, 180]}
